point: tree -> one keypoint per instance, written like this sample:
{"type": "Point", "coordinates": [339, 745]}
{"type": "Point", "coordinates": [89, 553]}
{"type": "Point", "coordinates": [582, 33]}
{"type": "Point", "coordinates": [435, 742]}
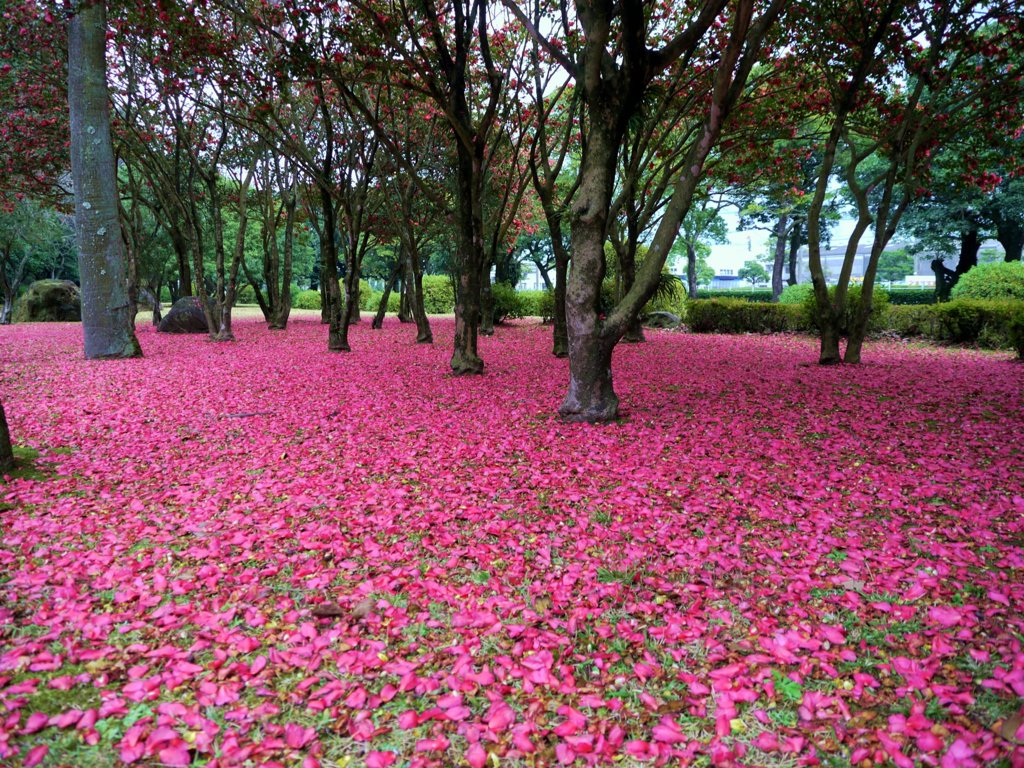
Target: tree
{"type": "Point", "coordinates": [753, 272]}
{"type": "Point", "coordinates": [106, 318]}
{"type": "Point", "coordinates": [895, 264]}
{"type": "Point", "coordinates": [623, 58]}
{"type": "Point", "coordinates": [702, 225]}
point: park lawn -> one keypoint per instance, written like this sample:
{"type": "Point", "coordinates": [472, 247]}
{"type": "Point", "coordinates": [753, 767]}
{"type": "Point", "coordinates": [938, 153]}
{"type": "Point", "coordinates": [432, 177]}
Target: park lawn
{"type": "Point", "coordinates": [259, 552]}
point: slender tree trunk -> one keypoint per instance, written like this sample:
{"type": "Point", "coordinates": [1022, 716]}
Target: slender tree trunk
{"type": "Point", "coordinates": [780, 256]}
{"type": "Point", "coordinates": [279, 316]}
{"type": "Point", "coordinates": [486, 304]}
{"type": "Point", "coordinates": [6, 450]}
{"type": "Point", "coordinates": [329, 252]}
{"type": "Point", "coordinates": [404, 300]}
{"type": "Point", "coordinates": [8, 308]}
{"type": "Point", "coordinates": [627, 268]}
{"type": "Point", "coordinates": [416, 303]}
{"type": "Point", "coordinates": [382, 308]}
{"type": "Point", "coordinates": [691, 270]}
{"type": "Point", "coordinates": [106, 320]}
{"type": "Point", "coordinates": [795, 237]}
{"type": "Point", "coordinates": [560, 332]}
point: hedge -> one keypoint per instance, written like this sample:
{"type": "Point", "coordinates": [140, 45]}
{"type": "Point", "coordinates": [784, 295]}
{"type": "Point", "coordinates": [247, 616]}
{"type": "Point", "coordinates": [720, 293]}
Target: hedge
{"type": "Point", "coordinates": [761, 295]}
{"type": "Point", "coordinates": [738, 316]}
{"type": "Point", "coordinates": [999, 281]}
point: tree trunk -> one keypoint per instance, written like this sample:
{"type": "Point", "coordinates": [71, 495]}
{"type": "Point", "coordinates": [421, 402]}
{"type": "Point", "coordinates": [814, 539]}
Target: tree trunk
{"type": "Point", "coordinates": [486, 304]}
{"type": "Point", "coordinates": [1010, 234]}
{"type": "Point", "coordinates": [469, 258]}
{"type": "Point", "coordinates": [691, 271]}
{"type": "Point", "coordinates": [627, 268]}
{"type": "Point", "coordinates": [560, 333]}
{"type": "Point", "coordinates": [382, 308]}
{"type": "Point", "coordinates": [404, 301]}
{"type": "Point", "coordinates": [106, 321]}
{"type": "Point", "coordinates": [591, 397]}
{"type": "Point", "coordinates": [8, 308]}
{"type": "Point", "coordinates": [279, 318]}
{"type": "Point", "coordinates": [795, 237]}
{"type": "Point", "coordinates": [329, 253]}
{"type": "Point", "coordinates": [6, 450]}
{"type": "Point", "coordinates": [779, 263]}
{"type": "Point", "coordinates": [414, 277]}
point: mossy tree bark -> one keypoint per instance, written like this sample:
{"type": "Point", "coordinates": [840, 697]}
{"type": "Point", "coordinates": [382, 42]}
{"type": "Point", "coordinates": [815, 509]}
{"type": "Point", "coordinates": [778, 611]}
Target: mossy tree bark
{"type": "Point", "coordinates": [106, 314]}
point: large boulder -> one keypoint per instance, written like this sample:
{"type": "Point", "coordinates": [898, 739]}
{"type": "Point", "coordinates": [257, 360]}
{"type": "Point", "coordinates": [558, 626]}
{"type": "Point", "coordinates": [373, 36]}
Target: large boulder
{"type": "Point", "coordinates": [185, 316]}
{"type": "Point", "coordinates": [49, 301]}
{"type": "Point", "coordinates": [661, 320]}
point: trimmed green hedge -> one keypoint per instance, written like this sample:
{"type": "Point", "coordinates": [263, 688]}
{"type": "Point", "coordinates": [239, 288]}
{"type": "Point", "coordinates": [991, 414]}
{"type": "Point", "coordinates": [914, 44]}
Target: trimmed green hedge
{"type": "Point", "coordinates": [538, 304]}
{"type": "Point", "coordinates": [911, 296]}
{"type": "Point", "coordinates": [305, 300]}
{"type": "Point", "coordinates": [739, 316]}
{"type": "Point", "coordinates": [762, 295]}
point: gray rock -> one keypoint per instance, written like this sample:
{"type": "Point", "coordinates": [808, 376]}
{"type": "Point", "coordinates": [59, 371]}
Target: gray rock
{"type": "Point", "coordinates": [185, 316]}
{"type": "Point", "coordinates": [662, 320]}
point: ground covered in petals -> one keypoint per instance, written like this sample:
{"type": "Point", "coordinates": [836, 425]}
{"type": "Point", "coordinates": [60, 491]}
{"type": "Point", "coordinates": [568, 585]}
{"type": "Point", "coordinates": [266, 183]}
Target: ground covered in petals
{"type": "Point", "coordinates": [258, 552]}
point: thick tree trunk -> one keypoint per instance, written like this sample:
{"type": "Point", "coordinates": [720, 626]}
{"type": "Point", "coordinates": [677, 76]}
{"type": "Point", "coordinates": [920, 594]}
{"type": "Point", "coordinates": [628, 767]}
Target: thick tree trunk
{"type": "Point", "coordinates": [106, 320]}
{"type": "Point", "coordinates": [465, 359]}
{"type": "Point", "coordinates": [778, 265]}
{"type": "Point", "coordinates": [329, 253]}
{"type": "Point", "coordinates": [1010, 233]}
{"type": "Point", "coordinates": [6, 450]}
{"type": "Point", "coordinates": [591, 397]}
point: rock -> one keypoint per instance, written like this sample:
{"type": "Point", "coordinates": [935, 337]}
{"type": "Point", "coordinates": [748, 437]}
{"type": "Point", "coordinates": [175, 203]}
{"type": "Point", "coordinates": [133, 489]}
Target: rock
{"type": "Point", "coordinates": [185, 316]}
{"type": "Point", "coordinates": [662, 320]}
{"type": "Point", "coordinates": [49, 301]}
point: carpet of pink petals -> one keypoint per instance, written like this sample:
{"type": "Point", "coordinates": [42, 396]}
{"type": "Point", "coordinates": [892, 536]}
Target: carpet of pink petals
{"type": "Point", "coordinates": [260, 553]}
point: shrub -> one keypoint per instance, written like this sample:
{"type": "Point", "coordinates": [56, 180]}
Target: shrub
{"type": "Point", "coordinates": [306, 300]}
{"type": "Point", "coordinates": [999, 280]}
{"type": "Point", "coordinates": [913, 296]}
{"type": "Point", "coordinates": [438, 295]}
{"type": "Point", "coordinates": [1016, 332]}
{"type": "Point", "coordinates": [758, 294]}
{"type": "Point", "coordinates": [969, 321]}
{"type": "Point", "coordinates": [538, 304]}
{"type": "Point", "coordinates": [879, 304]}
{"type": "Point", "coordinates": [507, 303]}
{"type": "Point", "coordinates": [165, 295]}
{"type": "Point", "coordinates": [739, 316]}
{"type": "Point", "coordinates": [369, 299]}
{"type": "Point", "coordinates": [911, 320]}
{"type": "Point", "coordinates": [796, 294]}
{"type": "Point", "coordinates": [670, 297]}
{"type": "Point", "coordinates": [246, 294]}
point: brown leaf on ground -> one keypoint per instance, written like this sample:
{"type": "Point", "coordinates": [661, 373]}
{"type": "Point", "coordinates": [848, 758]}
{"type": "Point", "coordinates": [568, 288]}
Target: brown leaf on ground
{"type": "Point", "coordinates": [327, 611]}
{"type": "Point", "coordinates": [1009, 727]}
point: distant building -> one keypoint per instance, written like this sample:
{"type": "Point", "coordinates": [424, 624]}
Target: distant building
{"type": "Point", "coordinates": [832, 262]}
{"type": "Point", "coordinates": [727, 279]}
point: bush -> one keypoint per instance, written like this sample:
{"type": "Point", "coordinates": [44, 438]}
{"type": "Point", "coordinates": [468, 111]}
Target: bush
{"type": "Point", "coordinates": [739, 316]}
{"type": "Point", "coordinates": [1016, 332]}
{"type": "Point", "coordinates": [796, 294]}
{"type": "Point", "coordinates": [969, 321]}
{"type": "Point", "coordinates": [670, 297]}
{"type": "Point", "coordinates": [369, 299]}
{"type": "Point", "coordinates": [538, 304]}
{"type": "Point", "coordinates": [879, 305]}
{"type": "Point", "coordinates": [306, 300]}
{"type": "Point", "coordinates": [438, 295]}
{"type": "Point", "coordinates": [908, 321]}
{"type": "Point", "coordinates": [246, 294]}
{"type": "Point", "coordinates": [911, 296]}
{"type": "Point", "coordinates": [507, 304]}
{"type": "Point", "coordinates": [1000, 280]}
{"type": "Point", "coordinates": [758, 294]}
{"type": "Point", "coordinates": [165, 295]}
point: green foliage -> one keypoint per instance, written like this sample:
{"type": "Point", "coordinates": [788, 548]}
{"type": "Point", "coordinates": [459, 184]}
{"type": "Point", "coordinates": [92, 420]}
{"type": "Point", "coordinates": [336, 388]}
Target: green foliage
{"type": "Point", "coordinates": [995, 281]}
{"type": "Point", "coordinates": [758, 295]}
{"type": "Point", "coordinates": [917, 296]}
{"type": "Point", "coordinates": [738, 316]}
{"type": "Point", "coordinates": [971, 321]}
{"type": "Point", "coordinates": [753, 272]}
{"type": "Point", "coordinates": [305, 300]}
{"type": "Point", "coordinates": [895, 265]}
{"type": "Point", "coordinates": [538, 304]}
{"type": "Point", "coordinates": [879, 305]}
{"type": "Point", "coordinates": [796, 294]}
{"type": "Point", "coordinates": [669, 297]}
{"type": "Point", "coordinates": [246, 294]}
{"type": "Point", "coordinates": [438, 295]}
{"type": "Point", "coordinates": [989, 324]}
{"type": "Point", "coordinates": [369, 299]}
{"type": "Point", "coordinates": [507, 303]}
